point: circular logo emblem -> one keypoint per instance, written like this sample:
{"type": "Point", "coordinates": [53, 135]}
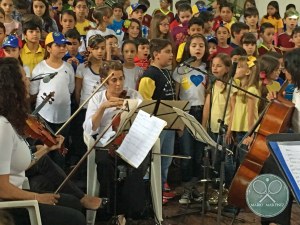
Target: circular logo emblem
{"type": "Point", "coordinates": [267, 195]}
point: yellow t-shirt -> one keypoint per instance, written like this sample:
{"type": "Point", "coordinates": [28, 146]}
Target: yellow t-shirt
{"type": "Point", "coordinates": [275, 86]}
{"type": "Point", "coordinates": [240, 114]}
{"type": "Point", "coordinates": [180, 51]}
{"type": "Point", "coordinates": [277, 23]}
{"type": "Point", "coordinates": [218, 107]}
{"type": "Point", "coordinates": [228, 25]}
{"type": "Point", "coordinates": [31, 59]}
{"type": "Point", "coordinates": [82, 27]}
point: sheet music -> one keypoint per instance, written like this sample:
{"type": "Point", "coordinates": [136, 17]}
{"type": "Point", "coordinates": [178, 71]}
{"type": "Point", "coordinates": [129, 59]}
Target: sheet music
{"type": "Point", "coordinates": [291, 155]}
{"type": "Point", "coordinates": [196, 129]}
{"type": "Point", "coordinates": [141, 137]}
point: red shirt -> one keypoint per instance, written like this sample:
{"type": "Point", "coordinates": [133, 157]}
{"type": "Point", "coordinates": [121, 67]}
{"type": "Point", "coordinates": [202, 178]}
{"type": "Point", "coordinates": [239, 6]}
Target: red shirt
{"type": "Point", "coordinates": [285, 40]}
{"type": "Point", "coordinates": [143, 63]}
{"type": "Point", "coordinates": [179, 34]}
{"type": "Point", "coordinates": [217, 22]}
{"type": "Point", "coordinates": [175, 23]}
{"type": "Point", "coordinates": [263, 50]}
{"type": "Point", "coordinates": [227, 50]}
{"type": "Point", "coordinates": [2, 55]}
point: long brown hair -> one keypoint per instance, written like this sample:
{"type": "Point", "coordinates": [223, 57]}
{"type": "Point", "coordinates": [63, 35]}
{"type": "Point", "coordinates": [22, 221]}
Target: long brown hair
{"type": "Point", "coordinates": [13, 95]}
{"type": "Point", "coordinates": [226, 60]}
{"type": "Point", "coordinates": [154, 27]}
{"type": "Point", "coordinates": [253, 78]}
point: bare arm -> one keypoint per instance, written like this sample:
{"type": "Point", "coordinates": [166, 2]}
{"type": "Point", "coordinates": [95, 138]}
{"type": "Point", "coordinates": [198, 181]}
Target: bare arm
{"type": "Point", "coordinates": [205, 115]}
{"type": "Point", "coordinates": [10, 192]}
{"type": "Point", "coordinates": [43, 149]}
{"type": "Point", "coordinates": [228, 136]}
{"type": "Point", "coordinates": [97, 117]}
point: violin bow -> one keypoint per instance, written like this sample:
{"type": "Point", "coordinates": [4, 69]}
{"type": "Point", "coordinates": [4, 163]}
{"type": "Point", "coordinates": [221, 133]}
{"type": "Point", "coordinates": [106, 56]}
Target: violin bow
{"type": "Point", "coordinates": [122, 109]}
{"type": "Point", "coordinates": [81, 106]}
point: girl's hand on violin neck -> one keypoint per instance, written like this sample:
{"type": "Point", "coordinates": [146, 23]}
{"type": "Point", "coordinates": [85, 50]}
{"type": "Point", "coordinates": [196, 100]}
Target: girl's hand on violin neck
{"type": "Point", "coordinates": [47, 198]}
{"type": "Point", "coordinates": [113, 102]}
{"type": "Point", "coordinates": [60, 139]}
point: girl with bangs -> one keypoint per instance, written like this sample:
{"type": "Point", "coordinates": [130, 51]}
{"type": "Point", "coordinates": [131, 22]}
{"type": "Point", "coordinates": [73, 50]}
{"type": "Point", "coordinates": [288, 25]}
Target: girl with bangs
{"type": "Point", "coordinates": [190, 85]}
{"type": "Point", "coordinates": [249, 43]}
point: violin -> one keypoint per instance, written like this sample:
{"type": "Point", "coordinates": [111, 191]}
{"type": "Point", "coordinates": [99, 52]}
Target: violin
{"type": "Point", "coordinates": [115, 125]}
{"type": "Point", "coordinates": [37, 129]}
{"type": "Point", "coordinates": [275, 120]}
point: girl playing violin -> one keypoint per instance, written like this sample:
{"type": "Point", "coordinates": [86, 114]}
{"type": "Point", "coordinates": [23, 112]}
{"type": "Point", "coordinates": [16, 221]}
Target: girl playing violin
{"type": "Point", "coordinates": [101, 109]}
{"type": "Point", "coordinates": [16, 156]}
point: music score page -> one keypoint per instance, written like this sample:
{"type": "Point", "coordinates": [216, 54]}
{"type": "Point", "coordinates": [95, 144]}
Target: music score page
{"type": "Point", "coordinates": [142, 135]}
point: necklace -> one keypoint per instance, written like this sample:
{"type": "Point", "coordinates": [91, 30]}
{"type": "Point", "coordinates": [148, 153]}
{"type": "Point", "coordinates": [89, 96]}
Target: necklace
{"type": "Point", "coordinates": [168, 79]}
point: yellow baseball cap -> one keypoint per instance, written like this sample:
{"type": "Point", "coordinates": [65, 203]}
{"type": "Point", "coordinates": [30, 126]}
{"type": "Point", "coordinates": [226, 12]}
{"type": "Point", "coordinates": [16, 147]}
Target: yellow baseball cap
{"type": "Point", "coordinates": [57, 38]}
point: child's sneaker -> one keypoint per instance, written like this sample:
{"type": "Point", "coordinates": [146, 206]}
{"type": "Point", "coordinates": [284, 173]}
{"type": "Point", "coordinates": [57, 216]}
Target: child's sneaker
{"type": "Point", "coordinates": [168, 194]}
{"type": "Point", "coordinates": [166, 187]}
{"type": "Point", "coordinates": [186, 197]}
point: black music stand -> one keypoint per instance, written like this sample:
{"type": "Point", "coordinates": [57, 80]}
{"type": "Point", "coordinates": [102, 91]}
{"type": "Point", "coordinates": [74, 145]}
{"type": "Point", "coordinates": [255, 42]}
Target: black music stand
{"type": "Point", "coordinates": [162, 109]}
{"type": "Point", "coordinates": [200, 134]}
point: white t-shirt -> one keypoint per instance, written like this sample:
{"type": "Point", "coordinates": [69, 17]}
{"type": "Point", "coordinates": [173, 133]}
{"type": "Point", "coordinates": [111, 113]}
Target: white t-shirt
{"type": "Point", "coordinates": [62, 84]}
{"type": "Point", "coordinates": [296, 114]}
{"type": "Point", "coordinates": [15, 154]}
{"type": "Point", "coordinates": [132, 76]}
{"type": "Point", "coordinates": [103, 34]}
{"type": "Point", "coordinates": [192, 84]}
{"type": "Point", "coordinates": [90, 81]}
{"type": "Point", "coordinates": [94, 105]}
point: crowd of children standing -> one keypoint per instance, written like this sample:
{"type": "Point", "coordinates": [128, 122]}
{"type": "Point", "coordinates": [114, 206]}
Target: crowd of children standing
{"type": "Point", "coordinates": [74, 38]}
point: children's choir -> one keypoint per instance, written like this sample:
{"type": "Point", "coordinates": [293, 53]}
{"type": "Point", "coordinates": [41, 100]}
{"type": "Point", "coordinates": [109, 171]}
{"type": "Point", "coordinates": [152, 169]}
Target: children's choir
{"type": "Point", "coordinates": [83, 41]}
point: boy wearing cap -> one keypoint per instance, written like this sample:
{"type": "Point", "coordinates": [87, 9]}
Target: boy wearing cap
{"type": "Point", "coordinates": [32, 52]}
{"type": "Point", "coordinates": [285, 42]}
{"type": "Point", "coordinates": [137, 11]}
{"type": "Point", "coordinates": [212, 45]}
{"type": "Point", "coordinates": [11, 46]}
{"type": "Point", "coordinates": [62, 83]}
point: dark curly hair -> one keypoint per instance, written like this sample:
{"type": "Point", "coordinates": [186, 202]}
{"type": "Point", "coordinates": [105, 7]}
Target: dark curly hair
{"type": "Point", "coordinates": [13, 100]}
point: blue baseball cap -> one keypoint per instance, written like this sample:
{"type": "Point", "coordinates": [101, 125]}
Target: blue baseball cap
{"type": "Point", "coordinates": [57, 38]}
{"type": "Point", "coordinates": [136, 6]}
{"type": "Point", "coordinates": [10, 41]}
{"type": "Point", "coordinates": [212, 39]}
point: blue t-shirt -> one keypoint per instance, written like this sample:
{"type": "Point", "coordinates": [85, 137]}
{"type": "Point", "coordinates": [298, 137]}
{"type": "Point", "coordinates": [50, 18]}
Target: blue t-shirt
{"type": "Point", "coordinates": [116, 26]}
{"type": "Point", "coordinates": [78, 56]}
{"type": "Point", "coordinates": [289, 92]}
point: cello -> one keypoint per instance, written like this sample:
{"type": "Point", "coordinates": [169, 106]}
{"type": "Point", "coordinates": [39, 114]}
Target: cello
{"type": "Point", "coordinates": [276, 119]}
